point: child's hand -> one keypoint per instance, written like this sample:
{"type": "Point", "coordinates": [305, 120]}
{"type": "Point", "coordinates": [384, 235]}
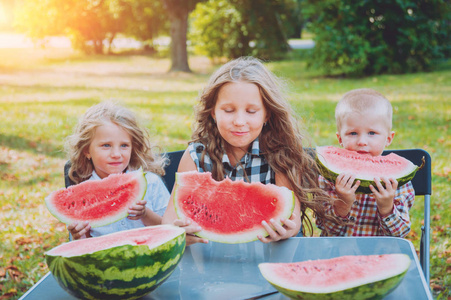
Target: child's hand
{"type": "Point", "coordinates": [384, 196]}
{"type": "Point", "coordinates": [138, 210]}
{"type": "Point", "coordinates": [190, 229]}
{"type": "Point", "coordinates": [79, 230]}
{"type": "Point", "coordinates": [277, 231]}
{"type": "Point", "coordinates": [345, 188]}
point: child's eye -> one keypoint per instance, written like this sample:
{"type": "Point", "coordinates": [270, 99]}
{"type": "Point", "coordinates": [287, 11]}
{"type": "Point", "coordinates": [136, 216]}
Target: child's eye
{"type": "Point", "coordinates": [106, 145]}
{"type": "Point", "coordinates": [353, 133]}
{"type": "Point", "coordinates": [372, 133]}
{"type": "Point", "coordinates": [125, 145]}
{"type": "Point", "coordinates": [252, 111]}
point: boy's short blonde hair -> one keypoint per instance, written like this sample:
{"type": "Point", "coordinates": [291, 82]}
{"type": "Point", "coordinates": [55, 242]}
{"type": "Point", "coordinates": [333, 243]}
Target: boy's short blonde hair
{"type": "Point", "coordinates": [363, 100]}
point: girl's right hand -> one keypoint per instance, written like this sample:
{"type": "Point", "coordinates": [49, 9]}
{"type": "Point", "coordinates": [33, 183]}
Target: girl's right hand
{"type": "Point", "coordinates": [190, 229]}
{"type": "Point", "coordinates": [79, 230]}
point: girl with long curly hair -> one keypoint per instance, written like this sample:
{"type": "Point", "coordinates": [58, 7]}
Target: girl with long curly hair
{"type": "Point", "coordinates": [246, 130]}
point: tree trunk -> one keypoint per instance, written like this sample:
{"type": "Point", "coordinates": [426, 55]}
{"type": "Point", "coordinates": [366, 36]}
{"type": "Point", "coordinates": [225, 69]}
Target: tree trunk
{"type": "Point", "coordinates": [179, 53]}
{"type": "Point", "coordinates": [178, 11]}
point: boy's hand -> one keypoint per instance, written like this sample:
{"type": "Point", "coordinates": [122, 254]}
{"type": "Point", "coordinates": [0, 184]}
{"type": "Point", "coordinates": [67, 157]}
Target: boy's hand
{"type": "Point", "coordinates": [345, 188]}
{"type": "Point", "coordinates": [137, 211]}
{"type": "Point", "coordinates": [79, 230]}
{"type": "Point", "coordinates": [384, 196]}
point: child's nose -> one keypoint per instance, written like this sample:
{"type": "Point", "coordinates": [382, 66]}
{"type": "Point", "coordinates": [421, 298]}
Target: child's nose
{"type": "Point", "coordinates": [239, 119]}
{"type": "Point", "coordinates": [115, 152]}
{"type": "Point", "coordinates": [362, 141]}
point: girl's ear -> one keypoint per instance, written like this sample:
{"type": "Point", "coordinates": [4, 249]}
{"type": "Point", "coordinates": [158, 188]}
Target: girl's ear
{"type": "Point", "coordinates": [213, 115]}
{"type": "Point", "coordinates": [390, 137]}
{"type": "Point", "coordinates": [268, 116]}
{"type": "Point", "coordinates": [87, 155]}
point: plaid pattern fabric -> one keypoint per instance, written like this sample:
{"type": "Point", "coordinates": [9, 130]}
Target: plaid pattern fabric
{"type": "Point", "coordinates": [364, 218]}
{"type": "Point", "coordinates": [253, 164]}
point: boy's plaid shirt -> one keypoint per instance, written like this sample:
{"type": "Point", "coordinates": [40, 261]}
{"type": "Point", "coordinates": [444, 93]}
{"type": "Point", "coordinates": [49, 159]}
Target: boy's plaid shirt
{"type": "Point", "coordinates": [364, 218]}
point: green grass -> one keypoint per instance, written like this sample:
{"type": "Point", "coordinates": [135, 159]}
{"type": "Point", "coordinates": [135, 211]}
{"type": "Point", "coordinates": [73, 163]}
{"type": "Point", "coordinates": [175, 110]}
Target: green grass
{"type": "Point", "coordinates": [44, 92]}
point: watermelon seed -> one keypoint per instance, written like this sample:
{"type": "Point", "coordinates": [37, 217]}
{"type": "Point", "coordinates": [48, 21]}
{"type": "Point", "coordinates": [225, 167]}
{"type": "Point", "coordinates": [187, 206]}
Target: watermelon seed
{"type": "Point", "coordinates": [305, 269]}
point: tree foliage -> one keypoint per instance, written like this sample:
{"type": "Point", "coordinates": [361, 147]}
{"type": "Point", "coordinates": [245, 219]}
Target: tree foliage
{"type": "Point", "coordinates": [378, 36]}
{"type": "Point", "coordinates": [244, 27]}
{"type": "Point", "coordinates": [88, 23]}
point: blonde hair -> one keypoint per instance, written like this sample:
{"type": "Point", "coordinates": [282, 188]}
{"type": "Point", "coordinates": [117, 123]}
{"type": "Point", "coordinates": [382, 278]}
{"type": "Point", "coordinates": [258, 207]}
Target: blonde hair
{"type": "Point", "coordinates": [142, 154]}
{"type": "Point", "coordinates": [283, 151]}
{"type": "Point", "coordinates": [363, 100]}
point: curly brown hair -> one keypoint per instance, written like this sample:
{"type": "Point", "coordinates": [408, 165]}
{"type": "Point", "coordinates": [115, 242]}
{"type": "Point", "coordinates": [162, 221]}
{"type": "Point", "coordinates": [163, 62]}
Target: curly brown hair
{"type": "Point", "coordinates": [281, 140]}
{"type": "Point", "coordinates": [142, 150]}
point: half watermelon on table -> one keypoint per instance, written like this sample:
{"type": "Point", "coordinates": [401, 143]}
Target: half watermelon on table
{"type": "Point", "coordinates": [123, 265]}
{"type": "Point", "coordinates": [230, 211]}
{"type": "Point", "coordinates": [346, 277]}
{"type": "Point", "coordinates": [333, 161]}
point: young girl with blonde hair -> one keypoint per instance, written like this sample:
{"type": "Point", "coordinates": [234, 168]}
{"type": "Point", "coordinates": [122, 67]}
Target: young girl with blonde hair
{"type": "Point", "coordinates": [245, 129]}
{"type": "Point", "coordinates": [109, 140]}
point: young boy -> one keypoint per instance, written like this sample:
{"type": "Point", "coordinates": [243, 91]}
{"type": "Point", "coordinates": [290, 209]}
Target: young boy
{"type": "Point", "coordinates": [364, 122]}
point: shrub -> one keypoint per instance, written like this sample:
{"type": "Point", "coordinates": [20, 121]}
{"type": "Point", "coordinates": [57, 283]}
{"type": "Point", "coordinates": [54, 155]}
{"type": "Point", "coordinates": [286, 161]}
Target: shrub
{"type": "Point", "coordinates": [378, 36]}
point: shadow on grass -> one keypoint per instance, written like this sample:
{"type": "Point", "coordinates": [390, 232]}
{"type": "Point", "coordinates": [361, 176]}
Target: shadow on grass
{"type": "Point", "coordinates": [31, 146]}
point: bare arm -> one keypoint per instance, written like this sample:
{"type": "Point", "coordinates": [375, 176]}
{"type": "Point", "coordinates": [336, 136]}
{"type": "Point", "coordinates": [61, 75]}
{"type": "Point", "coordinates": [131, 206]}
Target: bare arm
{"type": "Point", "coordinates": [170, 217]}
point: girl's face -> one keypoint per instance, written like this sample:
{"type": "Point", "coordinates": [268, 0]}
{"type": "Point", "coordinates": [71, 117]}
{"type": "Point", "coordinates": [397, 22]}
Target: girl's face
{"type": "Point", "coordinates": [240, 114]}
{"type": "Point", "coordinates": [110, 150]}
{"type": "Point", "coordinates": [365, 133]}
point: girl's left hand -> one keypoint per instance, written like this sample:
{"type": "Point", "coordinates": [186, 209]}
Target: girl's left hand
{"type": "Point", "coordinates": [138, 210]}
{"type": "Point", "coordinates": [277, 231]}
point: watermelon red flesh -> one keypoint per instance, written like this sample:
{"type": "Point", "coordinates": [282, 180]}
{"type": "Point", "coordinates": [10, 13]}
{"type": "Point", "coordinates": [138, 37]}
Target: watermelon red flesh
{"type": "Point", "coordinates": [122, 265]}
{"type": "Point", "coordinates": [345, 277]}
{"type": "Point", "coordinates": [230, 211]}
{"type": "Point", "coordinates": [100, 202]}
{"type": "Point", "coordinates": [334, 161]}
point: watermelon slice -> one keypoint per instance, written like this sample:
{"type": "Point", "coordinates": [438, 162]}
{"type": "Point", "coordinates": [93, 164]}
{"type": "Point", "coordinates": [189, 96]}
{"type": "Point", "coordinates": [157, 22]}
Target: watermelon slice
{"type": "Point", "coordinates": [334, 161]}
{"type": "Point", "coordinates": [100, 202]}
{"type": "Point", "coordinates": [230, 211]}
{"type": "Point", "coordinates": [344, 277]}
{"type": "Point", "coordinates": [122, 265]}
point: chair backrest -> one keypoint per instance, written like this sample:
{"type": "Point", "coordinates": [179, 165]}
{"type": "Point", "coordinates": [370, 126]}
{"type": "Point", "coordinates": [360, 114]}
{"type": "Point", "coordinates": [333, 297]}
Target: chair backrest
{"type": "Point", "coordinates": [171, 168]}
{"type": "Point", "coordinates": [422, 183]}
{"type": "Point", "coordinates": [422, 180]}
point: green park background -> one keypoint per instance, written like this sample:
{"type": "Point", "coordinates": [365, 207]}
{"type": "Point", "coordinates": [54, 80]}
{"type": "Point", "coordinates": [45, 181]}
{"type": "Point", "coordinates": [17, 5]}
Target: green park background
{"type": "Point", "coordinates": [156, 56]}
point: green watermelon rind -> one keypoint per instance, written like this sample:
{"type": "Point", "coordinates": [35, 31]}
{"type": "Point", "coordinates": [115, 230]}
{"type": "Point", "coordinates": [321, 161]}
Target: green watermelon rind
{"type": "Point", "coordinates": [374, 290]}
{"type": "Point", "coordinates": [105, 220]}
{"type": "Point", "coordinates": [121, 272]}
{"type": "Point", "coordinates": [364, 187]}
{"type": "Point", "coordinates": [238, 238]}
{"type": "Point", "coordinates": [377, 289]}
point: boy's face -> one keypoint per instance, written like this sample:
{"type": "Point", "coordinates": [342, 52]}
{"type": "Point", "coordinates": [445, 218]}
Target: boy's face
{"type": "Point", "coordinates": [366, 133]}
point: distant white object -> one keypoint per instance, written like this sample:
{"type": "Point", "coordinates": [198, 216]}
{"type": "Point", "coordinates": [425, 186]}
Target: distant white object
{"type": "Point", "coordinates": [301, 44]}
{"type": "Point", "coordinates": [17, 40]}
